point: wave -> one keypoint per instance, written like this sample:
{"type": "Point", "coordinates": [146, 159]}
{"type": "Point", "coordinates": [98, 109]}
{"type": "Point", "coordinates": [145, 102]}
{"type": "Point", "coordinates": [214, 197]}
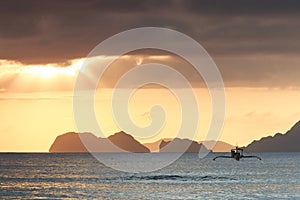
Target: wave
{"type": "Point", "coordinates": [181, 178]}
{"type": "Point", "coordinates": [134, 178]}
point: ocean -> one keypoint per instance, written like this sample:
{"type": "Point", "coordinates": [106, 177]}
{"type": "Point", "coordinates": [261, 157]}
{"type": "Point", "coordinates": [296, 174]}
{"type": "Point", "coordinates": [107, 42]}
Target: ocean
{"type": "Point", "coordinates": [80, 176]}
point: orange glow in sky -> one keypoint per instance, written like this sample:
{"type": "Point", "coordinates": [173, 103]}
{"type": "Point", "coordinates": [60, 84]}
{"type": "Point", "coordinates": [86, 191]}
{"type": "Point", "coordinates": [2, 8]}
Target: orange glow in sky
{"type": "Point", "coordinates": [32, 117]}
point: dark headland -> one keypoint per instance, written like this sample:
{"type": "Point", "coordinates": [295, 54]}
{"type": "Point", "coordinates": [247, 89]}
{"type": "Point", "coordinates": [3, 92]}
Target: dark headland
{"type": "Point", "coordinates": [288, 142]}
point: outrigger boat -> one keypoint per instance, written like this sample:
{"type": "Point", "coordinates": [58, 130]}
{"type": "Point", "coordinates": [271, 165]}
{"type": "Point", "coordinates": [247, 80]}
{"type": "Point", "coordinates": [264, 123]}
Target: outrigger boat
{"type": "Point", "coordinates": [237, 154]}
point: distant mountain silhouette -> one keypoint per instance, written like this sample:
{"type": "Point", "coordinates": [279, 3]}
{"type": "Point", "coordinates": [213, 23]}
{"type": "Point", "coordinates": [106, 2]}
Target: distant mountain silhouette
{"type": "Point", "coordinates": [218, 146]}
{"type": "Point", "coordinates": [127, 142]}
{"type": "Point", "coordinates": [288, 142]}
{"type": "Point", "coordinates": [154, 146]}
{"type": "Point", "coordinates": [179, 145]}
{"type": "Point", "coordinates": [73, 142]}
{"type": "Point", "coordinates": [68, 142]}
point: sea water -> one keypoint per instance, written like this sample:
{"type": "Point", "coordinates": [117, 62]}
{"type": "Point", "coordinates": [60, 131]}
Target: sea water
{"type": "Point", "coordinates": [80, 176]}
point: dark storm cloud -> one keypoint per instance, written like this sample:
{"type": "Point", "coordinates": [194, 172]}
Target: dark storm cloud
{"type": "Point", "coordinates": [51, 31]}
{"type": "Point", "coordinates": [35, 31]}
{"type": "Point", "coordinates": [244, 7]}
{"type": "Point", "coordinates": [241, 35]}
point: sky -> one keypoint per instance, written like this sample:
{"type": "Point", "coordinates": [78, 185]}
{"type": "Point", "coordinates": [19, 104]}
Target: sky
{"type": "Point", "coordinates": [44, 43]}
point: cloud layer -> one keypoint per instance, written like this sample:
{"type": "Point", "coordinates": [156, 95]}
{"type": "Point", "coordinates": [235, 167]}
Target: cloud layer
{"type": "Point", "coordinates": [54, 31]}
{"type": "Point", "coordinates": [254, 43]}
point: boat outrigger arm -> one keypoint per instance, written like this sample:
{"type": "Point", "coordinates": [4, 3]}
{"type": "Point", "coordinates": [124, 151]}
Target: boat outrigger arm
{"type": "Point", "coordinates": [237, 154]}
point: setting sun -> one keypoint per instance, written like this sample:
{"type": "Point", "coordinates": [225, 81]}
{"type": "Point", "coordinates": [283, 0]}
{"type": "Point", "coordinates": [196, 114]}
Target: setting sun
{"type": "Point", "coordinates": [48, 71]}
{"type": "Point", "coordinates": [45, 72]}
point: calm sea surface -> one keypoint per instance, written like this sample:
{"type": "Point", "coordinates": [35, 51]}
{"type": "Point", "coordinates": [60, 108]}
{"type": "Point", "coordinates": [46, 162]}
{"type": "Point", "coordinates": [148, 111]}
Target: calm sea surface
{"type": "Point", "coordinates": [73, 176]}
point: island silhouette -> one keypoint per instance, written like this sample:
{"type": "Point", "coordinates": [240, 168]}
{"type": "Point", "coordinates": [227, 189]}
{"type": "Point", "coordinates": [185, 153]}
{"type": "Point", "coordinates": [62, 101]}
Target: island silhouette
{"type": "Point", "coordinates": [123, 142]}
{"type": "Point", "coordinates": [214, 146]}
{"type": "Point", "coordinates": [181, 145]}
{"type": "Point", "coordinates": [74, 142]}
